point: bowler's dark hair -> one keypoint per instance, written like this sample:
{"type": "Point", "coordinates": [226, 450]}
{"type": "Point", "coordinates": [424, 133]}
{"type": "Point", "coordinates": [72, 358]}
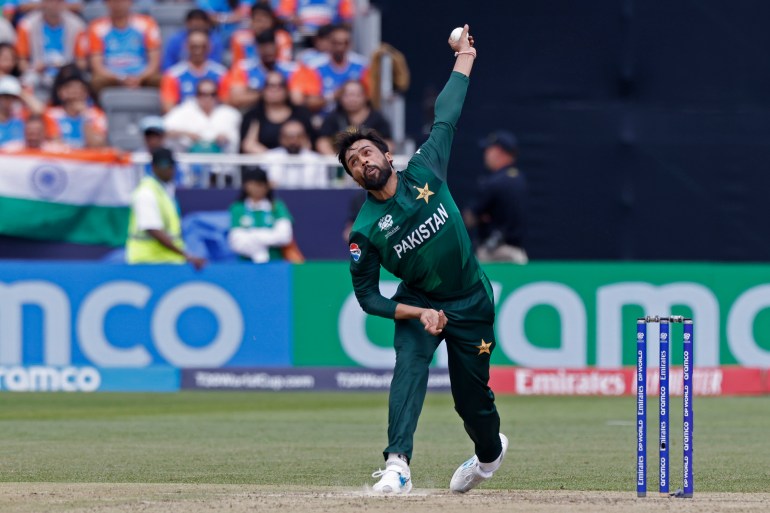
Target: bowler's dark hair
{"type": "Point", "coordinates": [346, 139]}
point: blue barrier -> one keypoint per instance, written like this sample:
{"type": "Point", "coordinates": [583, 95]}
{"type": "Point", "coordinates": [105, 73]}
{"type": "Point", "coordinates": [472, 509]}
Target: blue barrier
{"type": "Point", "coordinates": [120, 316]}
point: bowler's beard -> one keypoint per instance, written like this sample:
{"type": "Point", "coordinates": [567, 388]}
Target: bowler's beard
{"type": "Point", "coordinates": [380, 178]}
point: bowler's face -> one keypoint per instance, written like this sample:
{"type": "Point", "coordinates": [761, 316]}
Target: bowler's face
{"type": "Point", "coordinates": [369, 167]}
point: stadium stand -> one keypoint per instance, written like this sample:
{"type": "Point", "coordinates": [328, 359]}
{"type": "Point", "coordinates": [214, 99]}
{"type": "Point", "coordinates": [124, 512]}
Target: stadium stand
{"type": "Point", "coordinates": [125, 108]}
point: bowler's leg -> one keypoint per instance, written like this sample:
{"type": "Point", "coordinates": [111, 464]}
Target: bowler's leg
{"type": "Point", "coordinates": [414, 353]}
{"type": "Point", "coordinates": [474, 400]}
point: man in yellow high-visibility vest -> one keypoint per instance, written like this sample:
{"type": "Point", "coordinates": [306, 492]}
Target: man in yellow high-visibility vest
{"type": "Point", "coordinates": [154, 228]}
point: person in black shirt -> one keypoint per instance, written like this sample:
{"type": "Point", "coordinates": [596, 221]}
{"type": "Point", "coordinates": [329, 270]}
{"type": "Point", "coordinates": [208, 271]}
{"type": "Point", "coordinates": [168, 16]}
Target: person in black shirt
{"type": "Point", "coordinates": [261, 126]}
{"type": "Point", "coordinates": [498, 212]}
{"type": "Point", "coordinates": [353, 110]}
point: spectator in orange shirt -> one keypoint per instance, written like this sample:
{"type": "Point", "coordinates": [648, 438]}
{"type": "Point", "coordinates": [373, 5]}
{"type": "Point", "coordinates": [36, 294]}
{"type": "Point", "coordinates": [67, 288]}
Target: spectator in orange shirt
{"type": "Point", "coordinates": [179, 83]}
{"type": "Point", "coordinates": [244, 43]}
{"type": "Point", "coordinates": [247, 77]}
{"type": "Point", "coordinates": [47, 41]}
{"type": "Point", "coordinates": [73, 119]}
{"type": "Point", "coordinates": [309, 15]}
{"type": "Point", "coordinates": [124, 48]}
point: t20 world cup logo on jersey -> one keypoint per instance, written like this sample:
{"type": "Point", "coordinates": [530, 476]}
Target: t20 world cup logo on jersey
{"type": "Point", "coordinates": [385, 222]}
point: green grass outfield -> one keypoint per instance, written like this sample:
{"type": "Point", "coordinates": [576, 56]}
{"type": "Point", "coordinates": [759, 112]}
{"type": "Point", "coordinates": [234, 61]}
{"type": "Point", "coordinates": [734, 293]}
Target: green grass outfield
{"type": "Point", "coordinates": [335, 439]}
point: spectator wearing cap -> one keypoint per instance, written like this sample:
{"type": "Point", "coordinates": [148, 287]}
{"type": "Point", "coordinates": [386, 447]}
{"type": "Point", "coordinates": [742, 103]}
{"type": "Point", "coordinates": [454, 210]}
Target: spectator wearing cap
{"type": "Point", "coordinates": [124, 48]}
{"type": "Point", "coordinates": [498, 212]}
{"type": "Point", "coordinates": [47, 40]}
{"type": "Point", "coordinates": [204, 125]}
{"type": "Point", "coordinates": [179, 82]}
{"type": "Point", "coordinates": [11, 120]}
{"type": "Point", "coordinates": [175, 48]}
{"type": "Point", "coordinates": [74, 119]}
{"type": "Point", "coordinates": [155, 138]}
{"type": "Point", "coordinates": [260, 224]}
{"type": "Point", "coordinates": [154, 134]}
{"type": "Point", "coordinates": [154, 227]}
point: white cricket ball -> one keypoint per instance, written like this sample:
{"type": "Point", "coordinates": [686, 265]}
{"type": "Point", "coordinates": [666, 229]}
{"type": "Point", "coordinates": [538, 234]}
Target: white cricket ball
{"type": "Point", "coordinates": [455, 35]}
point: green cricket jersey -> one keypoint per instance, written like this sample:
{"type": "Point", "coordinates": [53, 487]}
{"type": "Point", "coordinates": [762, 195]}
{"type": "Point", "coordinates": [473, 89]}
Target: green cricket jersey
{"type": "Point", "coordinates": [418, 234]}
{"type": "Point", "coordinates": [242, 216]}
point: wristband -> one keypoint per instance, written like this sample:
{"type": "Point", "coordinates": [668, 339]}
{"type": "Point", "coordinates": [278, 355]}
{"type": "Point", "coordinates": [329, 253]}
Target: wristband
{"type": "Point", "coordinates": [470, 51]}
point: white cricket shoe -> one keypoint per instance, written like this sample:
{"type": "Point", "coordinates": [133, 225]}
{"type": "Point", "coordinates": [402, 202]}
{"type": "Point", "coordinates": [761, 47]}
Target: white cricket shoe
{"type": "Point", "coordinates": [395, 479]}
{"type": "Point", "coordinates": [469, 475]}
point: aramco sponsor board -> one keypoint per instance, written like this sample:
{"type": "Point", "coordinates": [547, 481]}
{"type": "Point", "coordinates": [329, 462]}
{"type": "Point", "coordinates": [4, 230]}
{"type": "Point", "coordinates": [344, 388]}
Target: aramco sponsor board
{"type": "Point", "coordinates": [561, 328]}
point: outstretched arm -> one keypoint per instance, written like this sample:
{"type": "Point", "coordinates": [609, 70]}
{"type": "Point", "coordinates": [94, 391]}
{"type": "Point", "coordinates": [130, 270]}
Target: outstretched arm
{"type": "Point", "coordinates": [434, 153]}
{"type": "Point", "coordinates": [464, 52]}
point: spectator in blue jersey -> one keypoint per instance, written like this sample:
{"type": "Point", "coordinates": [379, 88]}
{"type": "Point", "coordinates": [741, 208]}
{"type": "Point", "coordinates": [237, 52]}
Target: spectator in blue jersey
{"type": "Point", "coordinates": [175, 48]}
{"type": "Point", "coordinates": [343, 65]}
{"type": "Point", "coordinates": [124, 48]}
{"type": "Point", "coordinates": [47, 41]}
{"type": "Point", "coordinates": [309, 15]}
{"type": "Point", "coordinates": [229, 15]}
{"type": "Point", "coordinates": [73, 118]}
{"type": "Point", "coordinates": [247, 77]}
{"type": "Point", "coordinates": [179, 82]}
{"type": "Point", "coordinates": [11, 121]}
{"type": "Point", "coordinates": [243, 44]}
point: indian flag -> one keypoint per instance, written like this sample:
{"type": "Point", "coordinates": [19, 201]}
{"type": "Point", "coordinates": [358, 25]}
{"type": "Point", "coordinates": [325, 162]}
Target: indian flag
{"type": "Point", "coordinates": [79, 196]}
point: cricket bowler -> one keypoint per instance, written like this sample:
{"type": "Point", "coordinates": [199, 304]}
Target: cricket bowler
{"type": "Point", "coordinates": [411, 226]}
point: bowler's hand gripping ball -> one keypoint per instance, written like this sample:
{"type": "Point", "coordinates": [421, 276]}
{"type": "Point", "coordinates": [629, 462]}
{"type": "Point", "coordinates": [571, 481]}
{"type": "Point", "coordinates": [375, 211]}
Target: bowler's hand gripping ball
{"type": "Point", "coordinates": [455, 35]}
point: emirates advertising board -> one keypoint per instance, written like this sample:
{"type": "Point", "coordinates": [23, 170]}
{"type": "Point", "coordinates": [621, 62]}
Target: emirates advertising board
{"type": "Point", "coordinates": [562, 328]}
{"type": "Point", "coordinates": [568, 328]}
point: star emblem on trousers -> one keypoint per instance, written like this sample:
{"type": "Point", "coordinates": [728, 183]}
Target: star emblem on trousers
{"type": "Point", "coordinates": [425, 193]}
{"type": "Point", "coordinates": [484, 347]}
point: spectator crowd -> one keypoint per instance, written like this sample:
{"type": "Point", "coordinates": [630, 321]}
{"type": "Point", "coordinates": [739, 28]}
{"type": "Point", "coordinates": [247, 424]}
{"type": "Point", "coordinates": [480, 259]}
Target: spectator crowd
{"type": "Point", "coordinates": [272, 77]}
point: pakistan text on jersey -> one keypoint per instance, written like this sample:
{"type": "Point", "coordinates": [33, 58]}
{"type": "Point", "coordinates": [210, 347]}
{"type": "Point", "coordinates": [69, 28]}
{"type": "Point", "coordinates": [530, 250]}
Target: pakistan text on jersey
{"type": "Point", "coordinates": [422, 232]}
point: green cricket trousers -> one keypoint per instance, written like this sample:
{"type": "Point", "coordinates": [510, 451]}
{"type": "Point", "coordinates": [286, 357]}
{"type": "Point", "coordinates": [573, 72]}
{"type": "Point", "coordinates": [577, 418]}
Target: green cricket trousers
{"type": "Point", "coordinates": [469, 336]}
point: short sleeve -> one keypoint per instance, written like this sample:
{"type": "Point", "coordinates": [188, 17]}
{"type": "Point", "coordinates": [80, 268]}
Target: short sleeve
{"type": "Point", "coordinates": [146, 210]}
{"type": "Point", "coordinates": [152, 35]}
{"type": "Point", "coordinates": [281, 211]}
